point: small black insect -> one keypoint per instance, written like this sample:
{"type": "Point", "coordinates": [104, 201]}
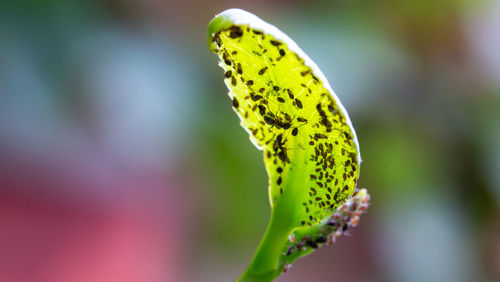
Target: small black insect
{"type": "Point", "coordinates": [279, 140]}
{"type": "Point", "coordinates": [217, 40]}
{"type": "Point", "coordinates": [256, 97]}
{"type": "Point", "coordinates": [320, 136]}
{"type": "Point", "coordinates": [275, 43]}
{"type": "Point", "coordinates": [312, 244]}
{"type": "Point", "coordinates": [262, 110]}
{"type": "Point", "coordinates": [269, 120]}
{"type": "Point", "coordinates": [284, 125]}
{"type": "Point", "coordinates": [235, 32]}
{"type": "Point", "coordinates": [321, 239]}
{"type": "Point", "coordinates": [299, 103]}
{"type": "Point", "coordinates": [282, 155]}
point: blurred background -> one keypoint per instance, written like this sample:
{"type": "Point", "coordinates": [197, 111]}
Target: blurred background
{"type": "Point", "coordinates": [122, 160]}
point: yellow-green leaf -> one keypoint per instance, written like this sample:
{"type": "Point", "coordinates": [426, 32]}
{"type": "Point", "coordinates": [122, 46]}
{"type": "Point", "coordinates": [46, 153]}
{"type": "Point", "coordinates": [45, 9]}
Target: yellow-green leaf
{"type": "Point", "coordinates": [291, 113]}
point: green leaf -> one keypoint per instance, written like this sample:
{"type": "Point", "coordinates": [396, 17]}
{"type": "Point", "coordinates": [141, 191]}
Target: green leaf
{"type": "Point", "coordinates": [310, 148]}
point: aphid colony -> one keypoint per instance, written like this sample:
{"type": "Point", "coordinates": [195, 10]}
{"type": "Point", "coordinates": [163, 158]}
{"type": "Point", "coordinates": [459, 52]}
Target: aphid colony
{"type": "Point", "coordinates": [269, 85]}
{"type": "Point", "coordinates": [344, 219]}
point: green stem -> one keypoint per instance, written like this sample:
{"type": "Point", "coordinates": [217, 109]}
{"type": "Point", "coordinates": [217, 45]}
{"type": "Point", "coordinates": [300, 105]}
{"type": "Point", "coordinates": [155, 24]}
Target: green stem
{"type": "Point", "coordinates": [264, 266]}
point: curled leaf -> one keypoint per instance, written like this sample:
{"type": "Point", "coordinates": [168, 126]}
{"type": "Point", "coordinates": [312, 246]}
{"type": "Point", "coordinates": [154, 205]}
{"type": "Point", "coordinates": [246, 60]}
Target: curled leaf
{"type": "Point", "coordinates": [291, 113]}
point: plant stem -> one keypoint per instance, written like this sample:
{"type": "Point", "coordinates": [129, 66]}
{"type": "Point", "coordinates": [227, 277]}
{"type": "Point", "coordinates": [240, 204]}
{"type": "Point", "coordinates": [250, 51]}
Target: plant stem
{"type": "Point", "coordinates": [264, 265]}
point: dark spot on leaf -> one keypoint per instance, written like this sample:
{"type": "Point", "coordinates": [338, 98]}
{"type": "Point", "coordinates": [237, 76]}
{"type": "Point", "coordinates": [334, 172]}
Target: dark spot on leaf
{"type": "Point", "coordinates": [284, 125]}
{"type": "Point", "coordinates": [282, 155]}
{"type": "Point", "coordinates": [321, 239]}
{"type": "Point", "coordinates": [235, 32]}
{"type": "Point", "coordinates": [312, 244]}
{"type": "Point", "coordinates": [275, 43]}
{"type": "Point", "coordinates": [304, 73]}
{"type": "Point", "coordinates": [262, 110]}
{"type": "Point", "coordinates": [269, 120]}
{"type": "Point", "coordinates": [299, 103]}
{"type": "Point", "coordinates": [256, 97]}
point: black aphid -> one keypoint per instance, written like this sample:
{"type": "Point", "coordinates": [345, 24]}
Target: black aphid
{"type": "Point", "coordinates": [299, 103]}
{"type": "Point", "coordinates": [269, 120]}
{"type": "Point", "coordinates": [235, 32]}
